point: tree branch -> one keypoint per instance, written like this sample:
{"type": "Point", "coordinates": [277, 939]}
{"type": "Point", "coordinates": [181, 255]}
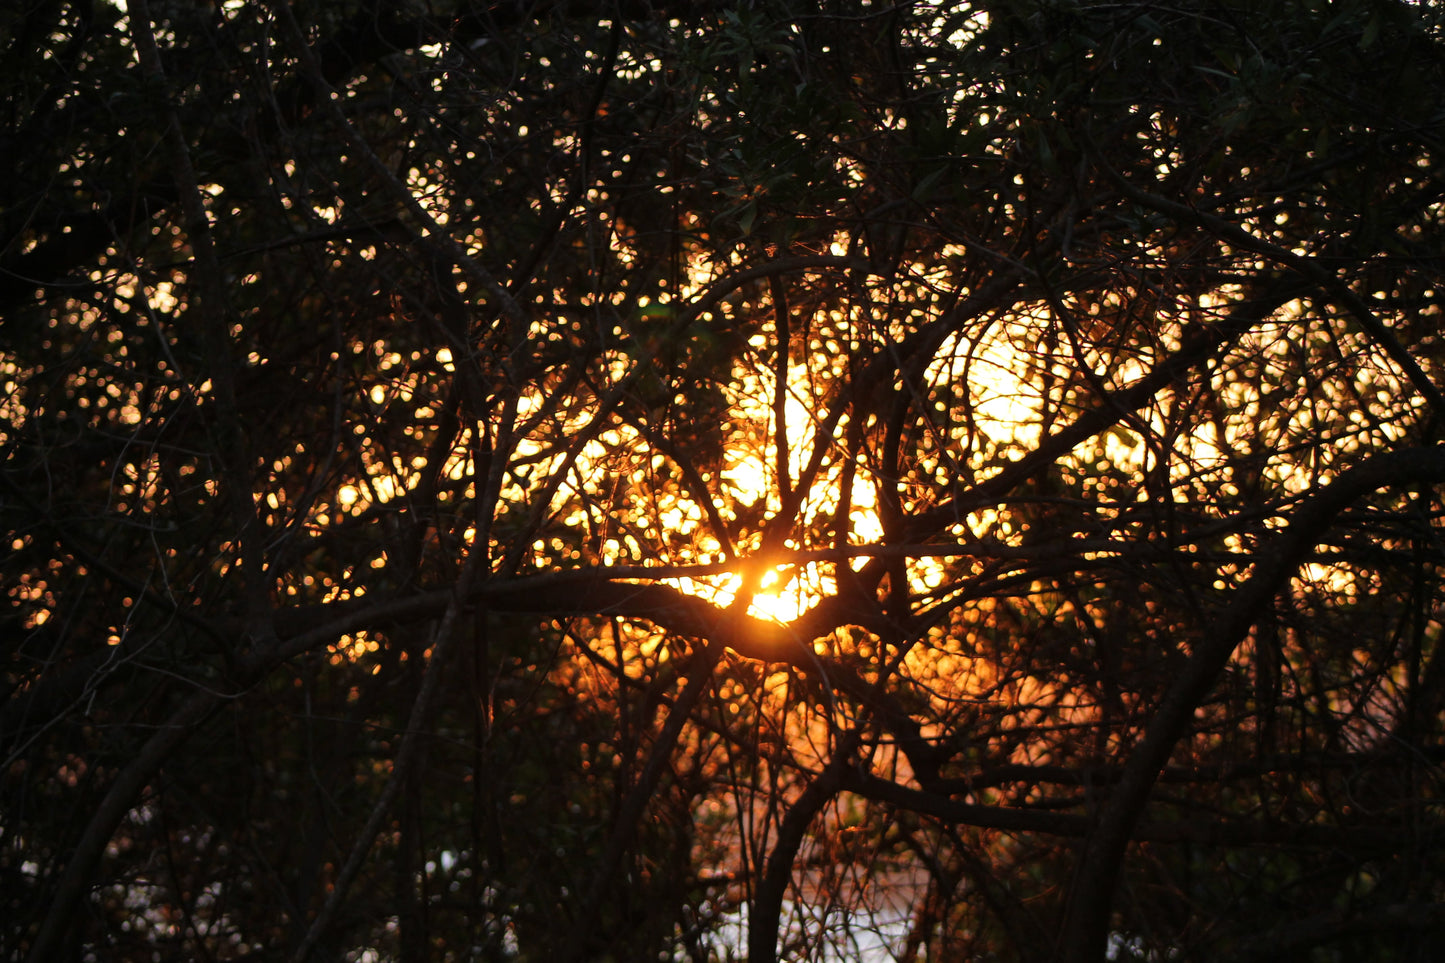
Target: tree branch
{"type": "Point", "coordinates": [1086, 928]}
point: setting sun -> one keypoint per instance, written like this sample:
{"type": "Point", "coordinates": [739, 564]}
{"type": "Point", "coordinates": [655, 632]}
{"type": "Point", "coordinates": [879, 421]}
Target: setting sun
{"type": "Point", "coordinates": [768, 481]}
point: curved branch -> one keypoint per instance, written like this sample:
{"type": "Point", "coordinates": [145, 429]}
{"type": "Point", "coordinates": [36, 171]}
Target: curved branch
{"type": "Point", "coordinates": [1306, 266]}
{"type": "Point", "coordinates": [767, 906]}
{"type": "Point", "coordinates": [1226, 832]}
{"type": "Point", "coordinates": [1086, 928]}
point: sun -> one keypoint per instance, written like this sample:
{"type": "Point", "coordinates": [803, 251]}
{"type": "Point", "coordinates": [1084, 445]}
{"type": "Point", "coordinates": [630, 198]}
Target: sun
{"type": "Point", "coordinates": [781, 597]}
{"type": "Point", "coordinates": [759, 478]}
{"type": "Point", "coordinates": [777, 599]}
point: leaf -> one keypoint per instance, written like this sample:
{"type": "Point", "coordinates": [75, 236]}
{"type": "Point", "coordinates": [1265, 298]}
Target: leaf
{"type": "Point", "coordinates": [747, 216]}
{"type": "Point", "coordinates": [924, 188]}
{"type": "Point", "coordinates": [1371, 34]}
{"type": "Point", "coordinates": [1046, 153]}
{"type": "Point", "coordinates": [1217, 73]}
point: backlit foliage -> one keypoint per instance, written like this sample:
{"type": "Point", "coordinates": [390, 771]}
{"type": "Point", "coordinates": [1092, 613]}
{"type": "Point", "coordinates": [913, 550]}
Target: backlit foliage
{"type": "Point", "coordinates": [556, 481]}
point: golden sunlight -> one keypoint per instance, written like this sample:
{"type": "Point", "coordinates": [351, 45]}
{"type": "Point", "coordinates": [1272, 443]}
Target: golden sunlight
{"type": "Point", "coordinates": [782, 595]}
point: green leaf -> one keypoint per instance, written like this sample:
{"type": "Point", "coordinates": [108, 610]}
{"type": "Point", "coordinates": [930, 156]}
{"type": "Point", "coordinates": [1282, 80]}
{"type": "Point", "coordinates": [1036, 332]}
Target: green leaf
{"type": "Point", "coordinates": [747, 216]}
{"type": "Point", "coordinates": [924, 188]}
{"type": "Point", "coordinates": [1371, 34]}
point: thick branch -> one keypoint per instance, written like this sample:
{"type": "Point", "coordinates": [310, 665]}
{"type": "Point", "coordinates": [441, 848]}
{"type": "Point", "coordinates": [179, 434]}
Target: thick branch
{"type": "Point", "coordinates": [766, 910]}
{"type": "Point", "coordinates": [1086, 930]}
{"type": "Point", "coordinates": [1224, 832]}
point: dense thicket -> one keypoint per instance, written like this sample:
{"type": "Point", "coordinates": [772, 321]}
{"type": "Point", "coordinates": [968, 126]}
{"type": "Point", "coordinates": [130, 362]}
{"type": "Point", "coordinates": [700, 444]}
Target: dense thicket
{"type": "Point", "coordinates": [573, 481]}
